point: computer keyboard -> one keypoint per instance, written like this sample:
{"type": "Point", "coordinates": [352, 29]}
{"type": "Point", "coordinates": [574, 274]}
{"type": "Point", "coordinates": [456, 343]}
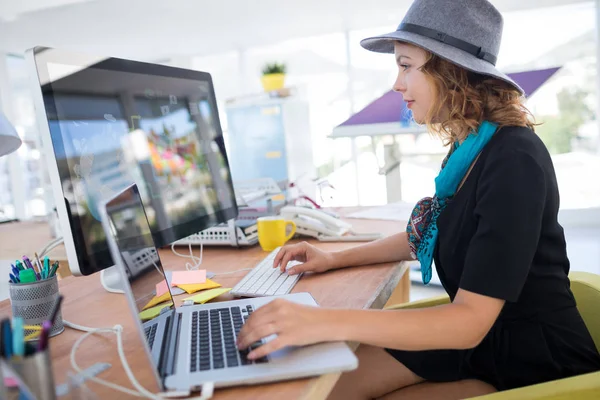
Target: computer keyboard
{"type": "Point", "coordinates": [264, 280]}
{"type": "Point", "coordinates": [151, 334]}
{"type": "Point", "coordinates": [213, 335]}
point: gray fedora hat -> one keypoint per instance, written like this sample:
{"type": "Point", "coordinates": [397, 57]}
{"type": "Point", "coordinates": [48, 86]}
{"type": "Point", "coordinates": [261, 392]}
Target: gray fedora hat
{"type": "Point", "coordinates": [464, 32]}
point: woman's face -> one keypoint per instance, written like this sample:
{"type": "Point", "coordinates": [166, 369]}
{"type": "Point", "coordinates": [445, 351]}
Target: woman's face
{"type": "Point", "coordinates": [416, 90]}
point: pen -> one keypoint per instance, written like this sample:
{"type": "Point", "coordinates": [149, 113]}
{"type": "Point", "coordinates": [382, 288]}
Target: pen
{"type": "Point", "coordinates": [19, 265]}
{"type": "Point", "coordinates": [14, 269]}
{"type": "Point", "coordinates": [46, 267]}
{"type": "Point", "coordinates": [18, 337]}
{"type": "Point", "coordinates": [6, 338]}
{"type": "Point", "coordinates": [13, 278]}
{"type": "Point", "coordinates": [28, 262]}
{"type": "Point", "coordinates": [39, 263]}
{"type": "Point", "coordinates": [47, 325]}
{"type": "Point", "coordinates": [54, 268]}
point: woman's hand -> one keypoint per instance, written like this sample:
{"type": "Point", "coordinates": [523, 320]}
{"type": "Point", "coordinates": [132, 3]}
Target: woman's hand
{"type": "Point", "coordinates": [294, 324]}
{"type": "Point", "coordinates": [313, 259]}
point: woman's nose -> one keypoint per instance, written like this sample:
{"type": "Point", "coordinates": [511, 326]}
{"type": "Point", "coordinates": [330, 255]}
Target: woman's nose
{"type": "Point", "coordinates": [399, 85]}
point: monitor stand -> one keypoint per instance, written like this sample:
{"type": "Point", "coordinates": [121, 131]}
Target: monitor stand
{"type": "Point", "coordinates": [111, 280]}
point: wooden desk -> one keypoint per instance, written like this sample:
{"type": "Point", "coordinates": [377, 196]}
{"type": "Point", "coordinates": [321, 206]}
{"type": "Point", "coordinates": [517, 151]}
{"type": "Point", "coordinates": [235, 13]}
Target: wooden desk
{"type": "Point", "coordinates": [87, 303]}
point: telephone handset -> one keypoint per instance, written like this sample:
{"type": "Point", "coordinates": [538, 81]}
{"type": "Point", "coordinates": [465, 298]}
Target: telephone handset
{"type": "Point", "coordinates": [320, 225]}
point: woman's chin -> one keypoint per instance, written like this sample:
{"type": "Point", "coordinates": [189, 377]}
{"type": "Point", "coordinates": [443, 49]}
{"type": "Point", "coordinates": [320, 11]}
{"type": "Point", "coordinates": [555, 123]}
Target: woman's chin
{"type": "Point", "coordinates": [419, 119]}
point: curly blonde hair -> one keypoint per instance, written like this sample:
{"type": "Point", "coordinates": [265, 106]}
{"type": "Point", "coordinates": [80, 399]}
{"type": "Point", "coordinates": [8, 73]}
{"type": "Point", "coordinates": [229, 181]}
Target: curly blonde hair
{"type": "Point", "coordinates": [470, 98]}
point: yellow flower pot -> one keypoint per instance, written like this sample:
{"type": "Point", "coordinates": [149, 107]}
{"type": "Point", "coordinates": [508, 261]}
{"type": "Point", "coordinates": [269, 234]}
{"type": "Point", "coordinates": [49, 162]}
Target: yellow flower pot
{"type": "Point", "coordinates": [272, 82]}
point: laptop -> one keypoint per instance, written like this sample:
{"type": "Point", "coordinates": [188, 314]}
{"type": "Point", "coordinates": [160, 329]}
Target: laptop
{"type": "Point", "coordinates": [189, 345]}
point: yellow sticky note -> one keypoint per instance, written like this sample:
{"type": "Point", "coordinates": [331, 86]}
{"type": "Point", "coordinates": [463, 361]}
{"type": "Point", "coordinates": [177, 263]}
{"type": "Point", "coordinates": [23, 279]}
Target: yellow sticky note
{"type": "Point", "coordinates": [203, 297]}
{"type": "Point", "coordinates": [157, 300]}
{"type": "Point", "coordinates": [192, 288]}
{"type": "Point", "coordinates": [153, 312]}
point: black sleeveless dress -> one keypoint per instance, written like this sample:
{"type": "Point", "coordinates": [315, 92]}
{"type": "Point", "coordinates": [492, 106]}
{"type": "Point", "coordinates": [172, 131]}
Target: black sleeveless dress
{"type": "Point", "coordinates": [499, 237]}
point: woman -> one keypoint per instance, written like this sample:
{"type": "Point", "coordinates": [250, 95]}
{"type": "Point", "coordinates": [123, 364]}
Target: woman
{"type": "Point", "coordinates": [491, 227]}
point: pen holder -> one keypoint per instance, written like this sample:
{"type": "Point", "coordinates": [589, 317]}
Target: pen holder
{"type": "Point", "coordinates": [34, 302]}
{"type": "Point", "coordinates": [35, 371]}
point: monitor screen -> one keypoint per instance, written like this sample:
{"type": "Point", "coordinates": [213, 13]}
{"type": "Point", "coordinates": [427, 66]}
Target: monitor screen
{"type": "Point", "coordinates": [113, 122]}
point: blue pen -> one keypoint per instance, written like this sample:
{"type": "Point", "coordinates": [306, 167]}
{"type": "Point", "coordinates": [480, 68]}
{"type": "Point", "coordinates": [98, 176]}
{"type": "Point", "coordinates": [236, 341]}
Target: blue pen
{"type": "Point", "coordinates": [18, 339]}
{"type": "Point", "coordinates": [15, 270]}
{"type": "Point", "coordinates": [13, 278]}
{"type": "Point", "coordinates": [7, 337]}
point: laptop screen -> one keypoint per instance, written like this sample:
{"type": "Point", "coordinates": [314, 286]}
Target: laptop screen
{"type": "Point", "coordinates": [139, 256]}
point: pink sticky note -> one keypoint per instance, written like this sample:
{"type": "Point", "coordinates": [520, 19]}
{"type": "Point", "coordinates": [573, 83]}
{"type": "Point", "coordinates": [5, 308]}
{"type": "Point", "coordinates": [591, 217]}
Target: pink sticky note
{"type": "Point", "coordinates": [188, 277]}
{"type": "Point", "coordinates": [161, 288]}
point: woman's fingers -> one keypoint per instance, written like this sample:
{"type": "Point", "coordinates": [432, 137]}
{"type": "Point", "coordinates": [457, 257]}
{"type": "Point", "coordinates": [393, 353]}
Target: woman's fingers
{"type": "Point", "coordinates": [256, 334]}
{"type": "Point", "coordinates": [261, 317]}
{"type": "Point", "coordinates": [279, 256]}
{"type": "Point", "coordinates": [267, 348]}
{"type": "Point", "coordinates": [289, 256]}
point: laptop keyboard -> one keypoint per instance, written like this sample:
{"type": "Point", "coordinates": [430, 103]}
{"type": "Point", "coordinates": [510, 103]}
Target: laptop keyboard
{"type": "Point", "coordinates": [213, 335]}
{"type": "Point", "coordinates": [150, 334]}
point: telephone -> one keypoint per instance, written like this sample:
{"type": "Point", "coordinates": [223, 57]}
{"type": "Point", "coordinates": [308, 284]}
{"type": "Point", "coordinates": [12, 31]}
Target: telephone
{"type": "Point", "coordinates": [324, 227]}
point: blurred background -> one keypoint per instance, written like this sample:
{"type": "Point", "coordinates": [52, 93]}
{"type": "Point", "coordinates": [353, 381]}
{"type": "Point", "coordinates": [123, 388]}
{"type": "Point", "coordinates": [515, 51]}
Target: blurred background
{"type": "Point", "coordinates": [318, 41]}
{"type": "Point", "coordinates": [359, 146]}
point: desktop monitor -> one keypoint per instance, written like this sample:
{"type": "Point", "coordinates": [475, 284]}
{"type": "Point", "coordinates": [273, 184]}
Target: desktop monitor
{"type": "Point", "coordinates": [107, 123]}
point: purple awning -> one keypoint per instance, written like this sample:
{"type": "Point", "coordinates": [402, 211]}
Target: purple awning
{"type": "Point", "coordinates": [388, 114]}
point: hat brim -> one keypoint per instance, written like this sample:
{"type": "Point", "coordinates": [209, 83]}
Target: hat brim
{"type": "Point", "coordinates": [385, 44]}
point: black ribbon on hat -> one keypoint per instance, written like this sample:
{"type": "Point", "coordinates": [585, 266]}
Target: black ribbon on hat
{"type": "Point", "coordinates": [449, 40]}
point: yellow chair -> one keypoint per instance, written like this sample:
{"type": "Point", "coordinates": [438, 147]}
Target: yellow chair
{"type": "Point", "coordinates": [586, 288]}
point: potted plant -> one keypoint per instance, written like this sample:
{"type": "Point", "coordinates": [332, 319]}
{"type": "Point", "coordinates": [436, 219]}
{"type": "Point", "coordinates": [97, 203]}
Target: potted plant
{"type": "Point", "coordinates": [273, 76]}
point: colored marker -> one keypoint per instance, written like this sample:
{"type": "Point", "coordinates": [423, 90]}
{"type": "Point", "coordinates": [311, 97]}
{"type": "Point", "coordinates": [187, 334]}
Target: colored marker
{"type": "Point", "coordinates": [27, 276]}
{"type": "Point", "coordinates": [27, 262]}
{"type": "Point", "coordinates": [46, 267]}
{"type": "Point", "coordinates": [18, 337]}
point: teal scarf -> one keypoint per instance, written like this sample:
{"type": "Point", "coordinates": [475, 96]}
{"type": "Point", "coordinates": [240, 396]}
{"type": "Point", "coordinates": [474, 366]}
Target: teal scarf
{"type": "Point", "coordinates": [422, 226]}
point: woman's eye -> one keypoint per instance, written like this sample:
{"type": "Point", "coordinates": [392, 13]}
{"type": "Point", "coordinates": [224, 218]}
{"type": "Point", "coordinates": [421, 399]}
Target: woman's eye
{"type": "Point", "coordinates": [404, 67]}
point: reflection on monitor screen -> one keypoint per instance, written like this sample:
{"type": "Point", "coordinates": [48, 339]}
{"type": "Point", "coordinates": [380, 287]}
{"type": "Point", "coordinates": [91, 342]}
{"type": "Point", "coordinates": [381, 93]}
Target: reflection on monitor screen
{"type": "Point", "coordinates": [115, 122]}
{"type": "Point", "coordinates": [139, 256]}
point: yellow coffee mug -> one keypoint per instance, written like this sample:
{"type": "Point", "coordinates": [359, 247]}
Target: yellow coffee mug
{"type": "Point", "coordinates": [272, 232]}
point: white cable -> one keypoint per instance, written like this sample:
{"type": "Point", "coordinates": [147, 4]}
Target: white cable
{"type": "Point", "coordinates": [207, 388]}
{"type": "Point", "coordinates": [197, 261]}
{"type": "Point", "coordinates": [50, 246]}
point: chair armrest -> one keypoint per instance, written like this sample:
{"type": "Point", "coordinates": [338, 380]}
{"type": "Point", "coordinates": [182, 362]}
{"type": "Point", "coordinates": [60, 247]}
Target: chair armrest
{"type": "Point", "coordinates": [431, 302]}
{"type": "Point", "coordinates": [582, 387]}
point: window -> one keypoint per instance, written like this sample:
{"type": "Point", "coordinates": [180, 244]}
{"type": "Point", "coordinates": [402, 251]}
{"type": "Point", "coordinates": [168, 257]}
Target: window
{"type": "Point", "coordinates": [30, 155]}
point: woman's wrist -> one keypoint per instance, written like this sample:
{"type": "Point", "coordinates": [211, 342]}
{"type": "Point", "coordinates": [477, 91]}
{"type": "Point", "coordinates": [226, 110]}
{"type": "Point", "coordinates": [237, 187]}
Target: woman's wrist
{"type": "Point", "coordinates": [333, 260]}
{"type": "Point", "coordinates": [334, 324]}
